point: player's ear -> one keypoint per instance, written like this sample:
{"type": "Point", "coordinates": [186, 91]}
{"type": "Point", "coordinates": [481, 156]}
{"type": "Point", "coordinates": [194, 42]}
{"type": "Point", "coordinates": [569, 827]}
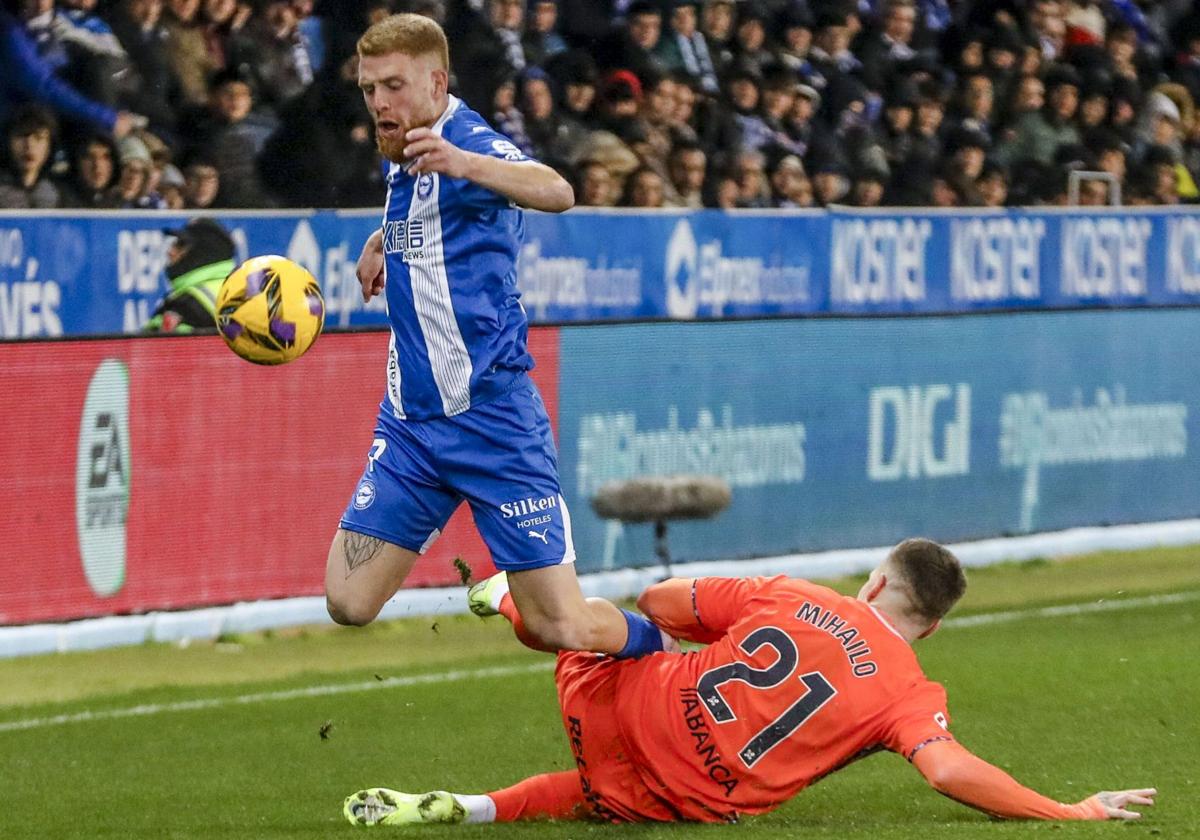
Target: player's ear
{"type": "Point", "coordinates": [930, 630]}
{"type": "Point", "coordinates": [441, 82]}
{"type": "Point", "coordinates": [873, 590]}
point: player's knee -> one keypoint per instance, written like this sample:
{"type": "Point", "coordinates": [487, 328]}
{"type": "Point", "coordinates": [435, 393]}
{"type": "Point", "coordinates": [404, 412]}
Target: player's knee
{"type": "Point", "coordinates": [348, 612]}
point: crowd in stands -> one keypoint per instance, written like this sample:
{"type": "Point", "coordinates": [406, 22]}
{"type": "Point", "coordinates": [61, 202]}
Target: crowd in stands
{"type": "Point", "coordinates": [191, 104]}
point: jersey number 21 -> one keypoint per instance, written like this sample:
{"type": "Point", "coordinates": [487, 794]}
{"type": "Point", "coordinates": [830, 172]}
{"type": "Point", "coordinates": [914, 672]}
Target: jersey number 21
{"type": "Point", "coordinates": [819, 691]}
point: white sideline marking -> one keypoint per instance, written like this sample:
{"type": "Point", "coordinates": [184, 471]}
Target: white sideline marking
{"type": "Point", "coordinates": [265, 696]}
{"type": "Point", "coordinates": [1072, 609]}
{"type": "Point", "coordinates": [510, 670]}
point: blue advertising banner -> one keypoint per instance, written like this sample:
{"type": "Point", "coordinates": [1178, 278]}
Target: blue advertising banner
{"type": "Point", "coordinates": [101, 273]}
{"type": "Point", "coordinates": [837, 433]}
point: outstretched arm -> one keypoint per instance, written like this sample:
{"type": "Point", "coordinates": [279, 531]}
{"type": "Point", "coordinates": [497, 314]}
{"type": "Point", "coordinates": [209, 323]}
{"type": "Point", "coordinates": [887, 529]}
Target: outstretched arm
{"type": "Point", "coordinates": [954, 771]}
{"type": "Point", "coordinates": [697, 609]}
{"type": "Point", "coordinates": [528, 183]}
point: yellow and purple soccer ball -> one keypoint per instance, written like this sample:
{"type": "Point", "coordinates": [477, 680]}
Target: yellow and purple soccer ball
{"type": "Point", "coordinates": [270, 310]}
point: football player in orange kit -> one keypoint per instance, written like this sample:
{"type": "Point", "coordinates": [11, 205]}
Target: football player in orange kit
{"type": "Point", "coordinates": [797, 681]}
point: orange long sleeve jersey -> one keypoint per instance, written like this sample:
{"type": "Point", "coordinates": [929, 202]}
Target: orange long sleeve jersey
{"type": "Point", "coordinates": [797, 681]}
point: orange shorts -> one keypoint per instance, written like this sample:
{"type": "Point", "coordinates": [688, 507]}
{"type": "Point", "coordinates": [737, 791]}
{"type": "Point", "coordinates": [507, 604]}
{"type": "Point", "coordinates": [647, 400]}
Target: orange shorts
{"type": "Point", "coordinates": [612, 786]}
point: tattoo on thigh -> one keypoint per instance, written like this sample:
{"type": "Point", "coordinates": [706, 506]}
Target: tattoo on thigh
{"type": "Point", "coordinates": [360, 549]}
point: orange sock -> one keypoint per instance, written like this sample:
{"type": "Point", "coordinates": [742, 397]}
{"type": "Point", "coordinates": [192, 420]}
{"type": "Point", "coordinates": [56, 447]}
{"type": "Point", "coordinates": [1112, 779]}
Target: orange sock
{"type": "Point", "coordinates": [554, 796]}
{"type": "Point", "coordinates": [509, 610]}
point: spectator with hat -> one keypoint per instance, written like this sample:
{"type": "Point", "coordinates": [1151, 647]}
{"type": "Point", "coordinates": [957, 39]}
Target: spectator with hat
{"type": "Point", "coordinates": [1109, 152]}
{"type": "Point", "coordinates": [750, 38]}
{"type": "Point", "coordinates": [830, 55]}
{"type": "Point", "coordinates": [896, 125]}
{"type": "Point", "coordinates": [743, 89]}
{"type": "Point", "coordinates": [1160, 124]}
{"type": "Point", "coordinates": [830, 178]}
{"type": "Point", "coordinates": [574, 75]}
{"type": "Point", "coordinates": [1093, 100]}
{"type": "Point", "coordinates": [198, 259]}
{"type": "Point", "coordinates": [133, 188]}
{"type": "Point", "coordinates": [868, 188]}
{"type": "Point", "coordinates": [795, 25]}
{"type": "Point", "coordinates": [620, 99]}
{"type": "Point", "coordinates": [777, 98]}
{"type": "Point", "coordinates": [798, 124]}
{"type": "Point", "coordinates": [790, 187]}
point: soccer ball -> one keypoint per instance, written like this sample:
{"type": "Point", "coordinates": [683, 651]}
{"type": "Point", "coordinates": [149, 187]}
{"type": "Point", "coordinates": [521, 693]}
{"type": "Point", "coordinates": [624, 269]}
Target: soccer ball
{"type": "Point", "coordinates": [270, 310]}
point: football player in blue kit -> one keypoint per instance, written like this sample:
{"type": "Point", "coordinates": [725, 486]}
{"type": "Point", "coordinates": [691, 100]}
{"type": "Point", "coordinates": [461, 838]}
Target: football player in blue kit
{"type": "Point", "coordinates": [461, 419]}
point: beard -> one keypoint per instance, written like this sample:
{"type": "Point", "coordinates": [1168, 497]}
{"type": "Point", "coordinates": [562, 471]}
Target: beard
{"type": "Point", "coordinates": [391, 148]}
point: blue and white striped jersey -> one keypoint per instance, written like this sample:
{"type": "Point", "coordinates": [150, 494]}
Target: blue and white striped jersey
{"type": "Point", "coordinates": [450, 255]}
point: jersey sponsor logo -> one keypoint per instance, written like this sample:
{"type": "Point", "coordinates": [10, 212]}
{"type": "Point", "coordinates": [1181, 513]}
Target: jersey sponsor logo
{"type": "Point", "coordinates": [364, 496]}
{"type": "Point", "coordinates": [856, 649]}
{"type": "Point", "coordinates": [703, 743]}
{"type": "Point", "coordinates": [527, 506]}
{"type": "Point", "coordinates": [406, 237]}
{"type": "Point", "coordinates": [575, 736]}
{"type": "Point", "coordinates": [102, 477]}
{"type": "Point", "coordinates": [508, 150]}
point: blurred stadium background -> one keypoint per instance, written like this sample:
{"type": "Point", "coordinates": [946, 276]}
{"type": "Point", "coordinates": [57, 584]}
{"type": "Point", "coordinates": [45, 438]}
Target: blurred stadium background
{"type": "Point", "coordinates": [862, 270]}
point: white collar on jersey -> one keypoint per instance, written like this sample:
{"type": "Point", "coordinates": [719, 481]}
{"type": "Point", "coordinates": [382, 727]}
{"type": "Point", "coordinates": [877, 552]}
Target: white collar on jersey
{"type": "Point", "coordinates": [887, 623]}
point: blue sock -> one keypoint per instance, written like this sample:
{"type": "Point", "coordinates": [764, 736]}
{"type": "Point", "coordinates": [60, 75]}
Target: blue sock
{"type": "Point", "coordinates": [644, 637]}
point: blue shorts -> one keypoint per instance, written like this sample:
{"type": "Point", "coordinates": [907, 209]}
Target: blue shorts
{"type": "Point", "coordinates": [499, 456]}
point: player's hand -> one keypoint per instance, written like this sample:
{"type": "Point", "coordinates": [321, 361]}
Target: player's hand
{"type": "Point", "coordinates": [370, 266]}
{"type": "Point", "coordinates": [126, 122]}
{"type": "Point", "coordinates": [1114, 802]}
{"type": "Point", "coordinates": [432, 153]}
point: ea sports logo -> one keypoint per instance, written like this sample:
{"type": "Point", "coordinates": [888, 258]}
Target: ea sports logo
{"type": "Point", "coordinates": [102, 478]}
{"type": "Point", "coordinates": [364, 496]}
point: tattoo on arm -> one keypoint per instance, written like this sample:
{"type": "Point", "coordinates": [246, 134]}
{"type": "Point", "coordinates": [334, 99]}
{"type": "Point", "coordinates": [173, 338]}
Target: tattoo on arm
{"type": "Point", "coordinates": [360, 549]}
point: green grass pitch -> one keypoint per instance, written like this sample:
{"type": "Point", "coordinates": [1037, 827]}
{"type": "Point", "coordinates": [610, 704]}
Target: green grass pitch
{"type": "Point", "coordinates": [1070, 703]}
